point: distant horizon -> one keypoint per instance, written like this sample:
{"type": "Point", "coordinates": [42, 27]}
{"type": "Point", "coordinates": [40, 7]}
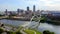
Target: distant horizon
{"type": "Point", "coordinates": [22, 4]}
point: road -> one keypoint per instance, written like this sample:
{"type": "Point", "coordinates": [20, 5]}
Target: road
{"type": "Point", "coordinates": [26, 33]}
{"type": "Point", "coordinates": [22, 31]}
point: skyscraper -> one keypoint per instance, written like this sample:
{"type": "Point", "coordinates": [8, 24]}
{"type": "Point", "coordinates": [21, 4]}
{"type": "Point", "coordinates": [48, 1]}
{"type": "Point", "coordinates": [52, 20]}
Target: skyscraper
{"type": "Point", "coordinates": [28, 8]}
{"type": "Point", "coordinates": [6, 11]}
{"type": "Point", "coordinates": [33, 8]}
{"type": "Point", "coordinates": [18, 10]}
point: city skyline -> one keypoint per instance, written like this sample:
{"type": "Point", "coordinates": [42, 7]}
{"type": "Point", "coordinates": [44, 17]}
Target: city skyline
{"type": "Point", "coordinates": [22, 4]}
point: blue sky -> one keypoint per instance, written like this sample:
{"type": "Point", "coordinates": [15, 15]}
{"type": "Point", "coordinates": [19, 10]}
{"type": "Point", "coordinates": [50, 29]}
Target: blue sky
{"type": "Point", "coordinates": [22, 4]}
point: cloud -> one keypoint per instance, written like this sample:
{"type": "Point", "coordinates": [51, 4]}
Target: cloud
{"type": "Point", "coordinates": [49, 4]}
{"type": "Point", "coordinates": [45, 4]}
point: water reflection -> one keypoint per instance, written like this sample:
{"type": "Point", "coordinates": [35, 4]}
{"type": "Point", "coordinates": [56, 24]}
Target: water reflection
{"type": "Point", "coordinates": [13, 22]}
{"type": "Point", "coordinates": [53, 28]}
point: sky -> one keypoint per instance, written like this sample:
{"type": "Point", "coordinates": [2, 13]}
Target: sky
{"type": "Point", "coordinates": [22, 4]}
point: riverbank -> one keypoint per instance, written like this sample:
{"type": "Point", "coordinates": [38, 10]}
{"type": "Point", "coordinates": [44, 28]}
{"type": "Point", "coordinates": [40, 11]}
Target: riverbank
{"type": "Point", "coordinates": [16, 18]}
{"type": "Point", "coordinates": [54, 22]}
{"type": "Point", "coordinates": [21, 19]}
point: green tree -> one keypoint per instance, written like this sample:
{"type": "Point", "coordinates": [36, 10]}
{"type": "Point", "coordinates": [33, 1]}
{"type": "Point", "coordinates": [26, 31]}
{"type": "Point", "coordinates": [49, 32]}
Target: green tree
{"type": "Point", "coordinates": [43, 19]}
{"type": "Point", "coordinates": [48, 32]}
{"type": "Point", "coordinates": [10, 32]}
{"type": "Point", "coordinates": [52, 33]}
{"type": "Point", "coordinates": [18, 32]}
{"type": "Point", "coordinates": [1, 30]}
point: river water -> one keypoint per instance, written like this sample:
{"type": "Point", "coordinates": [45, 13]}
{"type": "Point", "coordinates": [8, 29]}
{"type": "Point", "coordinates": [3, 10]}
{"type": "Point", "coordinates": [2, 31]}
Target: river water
{"type": "Point", "coordinates": [42, 27]}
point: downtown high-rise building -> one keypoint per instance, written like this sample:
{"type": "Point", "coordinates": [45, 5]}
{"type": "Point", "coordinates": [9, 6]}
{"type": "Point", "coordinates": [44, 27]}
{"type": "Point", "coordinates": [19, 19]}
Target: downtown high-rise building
{"type": "Point", "coordinates": [33, 8]}
{"type": "Point", "coordinates": [6, 12]}
{"type": "Point", "coordinates": [18, 10]}
{"type": "Point", "coordinates": [27, 8]}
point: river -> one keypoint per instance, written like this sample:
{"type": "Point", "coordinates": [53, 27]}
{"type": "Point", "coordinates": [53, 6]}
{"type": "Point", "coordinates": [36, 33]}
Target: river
{"type": "Point", "coordinates": [42, 27]}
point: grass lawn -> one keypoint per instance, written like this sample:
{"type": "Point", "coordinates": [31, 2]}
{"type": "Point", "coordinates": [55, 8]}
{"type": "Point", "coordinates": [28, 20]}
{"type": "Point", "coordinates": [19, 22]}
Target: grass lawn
{"type": "Point", "coordinates": [29, 31]}
{"type": "Point", "coordinates": [38, 32]}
